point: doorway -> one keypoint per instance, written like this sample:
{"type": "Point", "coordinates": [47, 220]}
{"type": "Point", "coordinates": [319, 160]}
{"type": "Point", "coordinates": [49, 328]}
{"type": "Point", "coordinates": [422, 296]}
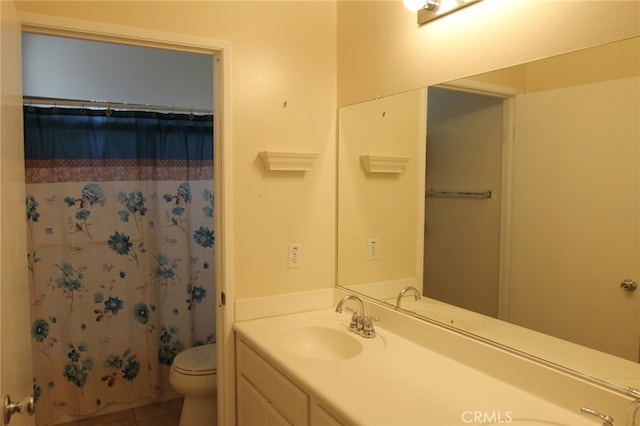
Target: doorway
{"type": "Point", "coordinates": [120, 218]}
{"type": "Point", "coordinates": [463, 199]}
{"type": "Point", "coordinates": [50, 25]}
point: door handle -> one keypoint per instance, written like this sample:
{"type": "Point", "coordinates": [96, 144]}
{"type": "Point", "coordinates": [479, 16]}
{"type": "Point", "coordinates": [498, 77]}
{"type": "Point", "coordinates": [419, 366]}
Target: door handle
{"type": "Point", "coordinates": [10, 408]}
{"type": "Point", "coordinates": [628, 285]}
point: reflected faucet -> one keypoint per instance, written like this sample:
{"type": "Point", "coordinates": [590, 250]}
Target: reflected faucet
{"type": "Point", "coordinates": [416, 295]}
{"type": "Point", "coordinates": [606, 420]}
{"type": "Point", "coordinates": [633, 418]}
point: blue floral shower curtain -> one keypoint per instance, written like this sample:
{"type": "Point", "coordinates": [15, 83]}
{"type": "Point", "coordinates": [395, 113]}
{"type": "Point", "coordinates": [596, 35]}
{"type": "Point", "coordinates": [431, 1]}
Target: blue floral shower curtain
{"type": "Point", "coordinates": [120, 210]}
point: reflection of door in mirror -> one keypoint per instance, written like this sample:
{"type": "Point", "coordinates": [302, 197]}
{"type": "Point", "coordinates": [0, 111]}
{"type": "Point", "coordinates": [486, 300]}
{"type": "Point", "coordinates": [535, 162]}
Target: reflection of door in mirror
{"type": "Point", "coordinates": [585, 139]}
{"type": "Point", "coordinates": [462, 225]}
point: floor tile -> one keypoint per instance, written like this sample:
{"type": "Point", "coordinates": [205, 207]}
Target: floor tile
{"type": "Point", "coordinates": [120, 418]}
{"type": "Point", "coordinates": [170, 420]}
{"type": "Point", "coordinates": [158, 409]}
{"type": "Point", "coordinates": [164, 413]}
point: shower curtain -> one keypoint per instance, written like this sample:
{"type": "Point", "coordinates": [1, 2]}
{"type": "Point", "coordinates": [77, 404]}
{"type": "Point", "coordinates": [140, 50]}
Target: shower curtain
{"type": "Point", "coordinates": [120, 209]}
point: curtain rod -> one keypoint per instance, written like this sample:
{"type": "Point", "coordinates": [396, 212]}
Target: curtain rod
{"type": "Point", "coordinates": [96, 104]}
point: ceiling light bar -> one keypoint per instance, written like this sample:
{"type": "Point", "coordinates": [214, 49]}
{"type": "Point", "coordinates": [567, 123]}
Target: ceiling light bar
{"type": "Point", "coordinates": [433, 9]}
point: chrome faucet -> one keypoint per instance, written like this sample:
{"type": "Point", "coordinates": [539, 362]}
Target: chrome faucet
{"type": "Point", "coordinates": [416, 294]}
{"type": "Point", "coordinates": [360, 323]}
{"type": "Point", "coordinates": [349, 297]}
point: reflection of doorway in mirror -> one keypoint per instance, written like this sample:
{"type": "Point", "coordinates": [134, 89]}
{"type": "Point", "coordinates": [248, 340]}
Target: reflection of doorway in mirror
{"type": "Point", "coordinates": [568, 229]}
{"type": "Point", "coordinates": [462, 226]}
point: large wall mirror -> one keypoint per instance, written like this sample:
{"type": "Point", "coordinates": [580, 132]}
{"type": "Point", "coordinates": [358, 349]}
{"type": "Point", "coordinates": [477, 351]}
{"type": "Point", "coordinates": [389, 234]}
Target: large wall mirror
{"type": "Point", "coordinates": [510, 203]}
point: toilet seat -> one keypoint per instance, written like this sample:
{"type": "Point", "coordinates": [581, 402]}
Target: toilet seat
{"type": "Point", "coordinates": [196, 361]}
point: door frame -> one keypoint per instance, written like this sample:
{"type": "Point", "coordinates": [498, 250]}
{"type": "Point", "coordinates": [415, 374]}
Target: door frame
{"type": "Point", "coordinates": [507, 94]}
{"type": "Point", "coordinates": [16, 379]}
{"type": "Point", "coordinates": [221, 52]}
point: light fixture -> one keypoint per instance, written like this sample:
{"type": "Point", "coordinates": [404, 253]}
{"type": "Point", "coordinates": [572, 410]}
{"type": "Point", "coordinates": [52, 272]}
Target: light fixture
{"type": "Point", "coordinates": [428, 10]}
{"type": "Point", "coordinates": [416, 5]}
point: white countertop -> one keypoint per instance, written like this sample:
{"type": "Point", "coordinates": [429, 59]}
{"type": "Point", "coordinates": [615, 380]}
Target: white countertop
{"type": "Point", "coordinates": [561, 352]}
{"type": "Point", "coordinates": [397, 382]}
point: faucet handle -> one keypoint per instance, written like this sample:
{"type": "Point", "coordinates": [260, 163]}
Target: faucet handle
{"type": "Point", "coordinates": [367, 330]}
{"type": "Point", "coordinates": [360, 324]}
{"type": "Point", "coordinates": [355, 319]}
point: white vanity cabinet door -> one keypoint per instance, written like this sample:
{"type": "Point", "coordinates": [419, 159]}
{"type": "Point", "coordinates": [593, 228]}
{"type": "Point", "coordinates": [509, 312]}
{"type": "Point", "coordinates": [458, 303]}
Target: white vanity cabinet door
{"type": "Point", "coordinates": [274, 418]}
{"type": "Point", "coordinates": [261, 388]}
{"type": "Point", "coordinates": [321, 417]}
{"type": "Point", "coordinates": [254, 409]}
{"type": "Point", "coordinates": [252, 406]}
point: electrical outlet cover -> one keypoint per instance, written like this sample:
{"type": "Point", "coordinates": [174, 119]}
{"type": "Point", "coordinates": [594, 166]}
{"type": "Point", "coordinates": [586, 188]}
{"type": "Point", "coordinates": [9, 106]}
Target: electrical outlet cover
{"type": "Point", "coordinates": [372, 249]}
{"type": "Point", "coordinates": [295, 255]}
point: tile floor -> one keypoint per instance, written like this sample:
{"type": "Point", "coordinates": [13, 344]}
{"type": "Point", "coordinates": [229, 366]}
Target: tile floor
{"type": "Point", "coordinates": [165, 413]}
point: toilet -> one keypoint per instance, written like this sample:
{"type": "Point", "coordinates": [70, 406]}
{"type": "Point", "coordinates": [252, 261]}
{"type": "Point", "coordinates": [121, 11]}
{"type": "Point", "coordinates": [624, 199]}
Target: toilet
{"type": "Point", "coordinates": [193, 374]}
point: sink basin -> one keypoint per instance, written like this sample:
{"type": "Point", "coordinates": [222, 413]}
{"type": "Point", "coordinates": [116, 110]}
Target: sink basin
{"type": "Point", "coordinates": [324, 343]}
{"type": "Point", "coordinates": [321, 336]}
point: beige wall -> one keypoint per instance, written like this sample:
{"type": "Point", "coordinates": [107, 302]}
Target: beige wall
{"type": "Point", "coordinates": [594, 64]}
{"type": "Point", "coordinates": [316, 55]}
{"type": "Point", "coordinates": [560, 71]}
{"type": "Point", "coordinates": [281, 52]}
{"type": "Point", "coordinates": [382, 50]}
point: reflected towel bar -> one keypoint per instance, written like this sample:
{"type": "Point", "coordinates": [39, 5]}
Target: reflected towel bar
{"type": "Point", "coordinates": [458, 194]}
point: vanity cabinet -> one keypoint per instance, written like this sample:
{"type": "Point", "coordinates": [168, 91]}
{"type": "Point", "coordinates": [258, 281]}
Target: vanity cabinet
{"type": "Point", "coordinates": [265, 396]}
{"type": "Point", "coordinates": [321, 417]}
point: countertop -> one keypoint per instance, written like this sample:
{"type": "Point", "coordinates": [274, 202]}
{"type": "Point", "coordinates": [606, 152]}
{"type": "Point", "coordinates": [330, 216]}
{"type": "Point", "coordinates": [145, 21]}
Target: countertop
{"type": "Point", "coordinates": [395, 381]}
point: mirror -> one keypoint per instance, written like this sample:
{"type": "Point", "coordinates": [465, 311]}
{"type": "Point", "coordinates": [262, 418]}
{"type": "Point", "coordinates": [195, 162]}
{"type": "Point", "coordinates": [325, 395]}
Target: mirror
{"type": "Point", "coordinates": [518, 221]}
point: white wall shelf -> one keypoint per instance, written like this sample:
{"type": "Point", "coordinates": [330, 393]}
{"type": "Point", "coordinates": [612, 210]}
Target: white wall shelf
{"type": "Point", "coordinates": [383, 164]}
{"type": "Point", "coordinates": [288, 161]}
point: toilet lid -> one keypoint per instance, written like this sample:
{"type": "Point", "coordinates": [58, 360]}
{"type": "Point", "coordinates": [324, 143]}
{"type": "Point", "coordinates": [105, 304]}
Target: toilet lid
{"type": "Point", "coordinates": [199, 360]}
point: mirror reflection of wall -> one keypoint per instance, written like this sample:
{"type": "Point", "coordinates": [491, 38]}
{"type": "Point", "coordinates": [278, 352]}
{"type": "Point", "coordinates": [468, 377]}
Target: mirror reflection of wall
{"type": "Point", "coordinates": [381, 205]}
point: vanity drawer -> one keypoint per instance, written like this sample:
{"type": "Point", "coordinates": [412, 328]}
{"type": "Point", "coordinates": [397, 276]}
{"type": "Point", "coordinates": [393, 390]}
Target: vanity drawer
{"type": "Point", "coordinates": [286, 397]}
